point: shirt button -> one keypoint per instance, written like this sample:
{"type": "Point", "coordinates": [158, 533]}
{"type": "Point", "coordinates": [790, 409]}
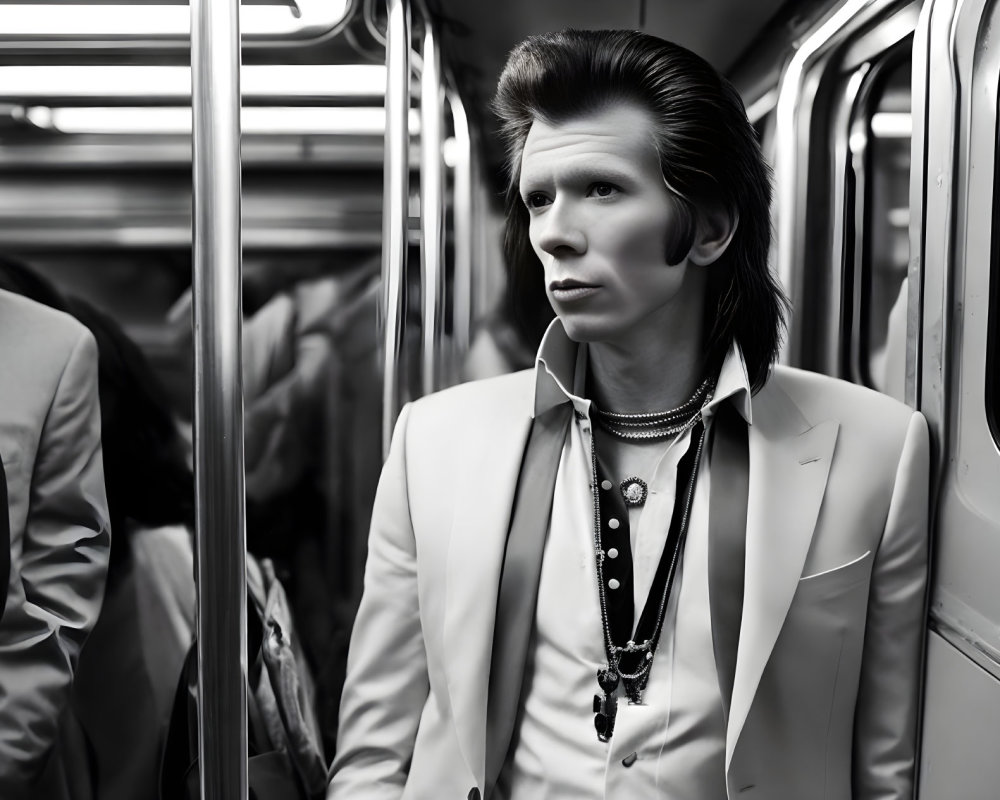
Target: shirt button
{"type": "Point", "coordinates": [605, 485]}
{"type": "Point", "coordinates": [613, 583]}
{"type": "Point", "coordinates": [613, 524]}
{"type": "Point", "coordinates": [629, 760]}
{"type": "Point", "coordinates": [613, 552]}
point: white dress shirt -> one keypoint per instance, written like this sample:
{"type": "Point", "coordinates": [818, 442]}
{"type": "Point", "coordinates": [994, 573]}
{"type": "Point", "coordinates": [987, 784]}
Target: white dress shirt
{"type": "Point", "coordinates": [673, 744]}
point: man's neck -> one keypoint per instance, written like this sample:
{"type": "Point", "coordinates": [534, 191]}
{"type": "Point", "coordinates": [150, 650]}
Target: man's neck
{"type": "Point", "coordinates": [653, 378]}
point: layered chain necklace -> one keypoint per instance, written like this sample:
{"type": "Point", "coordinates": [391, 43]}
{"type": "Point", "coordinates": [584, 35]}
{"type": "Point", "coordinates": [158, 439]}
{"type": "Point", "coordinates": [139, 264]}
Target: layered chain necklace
{"type": "Point", "coordinates": [629, 663]}
{"type": "Point", "coordinates": [656, 425]}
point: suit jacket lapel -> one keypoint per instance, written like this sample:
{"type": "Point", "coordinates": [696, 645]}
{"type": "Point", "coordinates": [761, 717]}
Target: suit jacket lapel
{"type": "Point", "coordinates": [789, 467]}
{"type": "Point", "coordinates": [485, 487]}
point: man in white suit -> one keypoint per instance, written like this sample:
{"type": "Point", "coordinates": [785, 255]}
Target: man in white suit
{"type": "Point", "coordinates": [50, 441]}
{"type": "Point", "coordinates": [654, 566]}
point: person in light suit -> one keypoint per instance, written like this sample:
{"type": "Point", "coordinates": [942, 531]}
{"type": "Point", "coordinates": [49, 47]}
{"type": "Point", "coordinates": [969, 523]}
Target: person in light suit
{"type": "Point", "coordinates": [655, 565]}
{"type": "Point", "coordinates": [50, 442]}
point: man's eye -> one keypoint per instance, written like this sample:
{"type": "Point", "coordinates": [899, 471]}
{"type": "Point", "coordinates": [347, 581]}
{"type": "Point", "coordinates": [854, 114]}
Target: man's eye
{"type": "Point", "coordinates": [603, 189]}
{"type": "Point", "coordinates": [536, 200]}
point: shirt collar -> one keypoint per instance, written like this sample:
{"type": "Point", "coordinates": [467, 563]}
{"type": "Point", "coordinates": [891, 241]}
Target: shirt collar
{"type": "Point", "coordinates": [561, 374]}
{"type": "Point", "coordinates": [733, 385]}
{"type": "Point", "coordinates": [560, 371]}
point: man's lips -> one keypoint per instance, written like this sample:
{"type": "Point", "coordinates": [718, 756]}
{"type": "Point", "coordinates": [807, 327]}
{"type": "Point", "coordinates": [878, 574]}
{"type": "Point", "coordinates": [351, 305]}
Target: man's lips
{"type": "Point", "coordinates": [566, 290]}
{"type": "Point", "coordinates": [570, 283]}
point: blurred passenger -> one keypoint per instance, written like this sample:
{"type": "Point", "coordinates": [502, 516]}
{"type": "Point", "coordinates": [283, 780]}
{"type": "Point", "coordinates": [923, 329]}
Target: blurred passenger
{"type": "Point", "coordinates": [655, 565]}
{"type": "Point", "coordinates": [128, 671]}
{"type": "Point", "coordinates": [50, 441]}
{"type": "Point", "coordinates": [310, 392]}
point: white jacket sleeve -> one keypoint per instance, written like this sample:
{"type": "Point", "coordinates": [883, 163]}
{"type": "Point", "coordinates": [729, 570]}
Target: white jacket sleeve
{"type": "Point", "coordinates": [885, 730]}
{"type": "Point", "coordinates": [387, 684]}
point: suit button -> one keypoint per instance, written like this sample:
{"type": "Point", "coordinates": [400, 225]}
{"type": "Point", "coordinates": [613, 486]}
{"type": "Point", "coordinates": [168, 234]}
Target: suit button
{"type": "Point", "coordinates": [629, 760]}
{"type": "Point", "coordinates": [474, 793]}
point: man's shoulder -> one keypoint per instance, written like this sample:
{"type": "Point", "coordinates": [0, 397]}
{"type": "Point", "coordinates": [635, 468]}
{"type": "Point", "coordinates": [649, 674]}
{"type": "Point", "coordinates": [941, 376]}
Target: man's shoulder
{"type": "Point", "coordinates": [820, 397]}
{"type": "Point", "coordinates": [498, 395]}
{"type": "Point", "coordinates": [473, 414]}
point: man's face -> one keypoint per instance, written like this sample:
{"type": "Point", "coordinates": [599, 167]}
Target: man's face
{"type": "Point", "coordinates": [600, 217]}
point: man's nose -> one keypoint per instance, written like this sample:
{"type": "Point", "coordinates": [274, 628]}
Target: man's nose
{"type": "Point", "coordinates": [561, 231]}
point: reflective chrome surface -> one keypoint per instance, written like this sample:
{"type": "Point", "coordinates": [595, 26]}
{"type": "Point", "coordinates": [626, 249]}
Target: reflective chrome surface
{"type": "Point", "coordinates": [218, 413]}
{"type": "Point", "coordinates": [395, 212]}
{"type": "Point", "coordinates": [432, 286]}
{"type": "Point", "coordinates": [462, 210]}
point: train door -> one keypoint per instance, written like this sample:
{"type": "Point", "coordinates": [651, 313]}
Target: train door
{"type": "Point", "coordinates": [955, 237]}
{"type": "Point", "coordinates": [842, 174]}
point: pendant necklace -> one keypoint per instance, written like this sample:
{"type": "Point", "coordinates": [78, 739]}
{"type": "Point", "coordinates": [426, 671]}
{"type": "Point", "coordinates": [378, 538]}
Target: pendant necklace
{"type": "Point", "coordinates": [629, 663]}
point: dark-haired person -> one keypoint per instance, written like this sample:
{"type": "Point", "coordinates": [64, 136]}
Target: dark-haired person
{"type": "Point", "coordinates": [655, 566]}
{"type": "Point", "coordinates": [128, 673]}
{"type": "Point", "coordinates": [50, 441]}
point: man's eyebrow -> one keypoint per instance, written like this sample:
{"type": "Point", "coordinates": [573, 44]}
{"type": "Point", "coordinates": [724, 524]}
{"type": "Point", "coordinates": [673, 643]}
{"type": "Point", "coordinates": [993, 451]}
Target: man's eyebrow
{"type": "Point", "coordinates": [581, 173]}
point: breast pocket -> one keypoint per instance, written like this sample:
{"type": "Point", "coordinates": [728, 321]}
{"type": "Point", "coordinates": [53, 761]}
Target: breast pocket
{"type": "Point", "coordinates": [836, 580]}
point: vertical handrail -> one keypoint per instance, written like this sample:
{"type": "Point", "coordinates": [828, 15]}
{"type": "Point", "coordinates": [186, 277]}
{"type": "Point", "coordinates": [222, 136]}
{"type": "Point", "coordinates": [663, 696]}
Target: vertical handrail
{"type": "Point", "coordinates": [395, 209]}
{"type": "Point", "coordinates": [432, 282]}
{"type": "Point", "coordinates": [218, 408]}
{"type": "Point", "coordinates": [462, 204]}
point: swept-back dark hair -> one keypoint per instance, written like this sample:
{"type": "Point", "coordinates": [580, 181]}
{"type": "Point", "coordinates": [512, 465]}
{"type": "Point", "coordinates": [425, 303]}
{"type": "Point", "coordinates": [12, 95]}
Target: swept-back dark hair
{"type": "Point", "coordinates": [708, 154]}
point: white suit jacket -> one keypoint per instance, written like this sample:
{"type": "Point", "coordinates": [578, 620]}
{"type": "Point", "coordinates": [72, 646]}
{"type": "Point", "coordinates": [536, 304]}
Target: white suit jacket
{"type": "Point", "coordinates": [827, 679]}
{"type": "Point", "coordinates": [50, 441]}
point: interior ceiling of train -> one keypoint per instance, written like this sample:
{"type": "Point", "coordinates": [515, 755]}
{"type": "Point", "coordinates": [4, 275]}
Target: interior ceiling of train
{"type": "Point", "coordinates": [478, 35]}
{"type": "Point", "coordinates": [718, 30]}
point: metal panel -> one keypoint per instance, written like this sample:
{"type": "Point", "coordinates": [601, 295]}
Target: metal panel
{"type": "Point", "coordinates": [956, 247]}
{"type": "Point", "coordinates": [960, 723]}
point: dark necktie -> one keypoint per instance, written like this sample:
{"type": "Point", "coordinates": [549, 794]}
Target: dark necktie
{"type": "Point", "coordinates": [727, 525]}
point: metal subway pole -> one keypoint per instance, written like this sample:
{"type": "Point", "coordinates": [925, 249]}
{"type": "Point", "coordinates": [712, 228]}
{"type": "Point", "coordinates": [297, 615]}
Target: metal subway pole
{"type": "Point", "coordinates": [218, 409]}
{"type": "Point", "coordinates": [431, 210]}
{"type": "Point", "coordinates": [395, 209]}
{"type": "Point", "coordinates": [462, 205]}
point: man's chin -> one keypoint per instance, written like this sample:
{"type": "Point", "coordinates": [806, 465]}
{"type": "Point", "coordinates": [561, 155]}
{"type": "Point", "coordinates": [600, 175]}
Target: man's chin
{"type": "Point", "coordinates": [584, 332]}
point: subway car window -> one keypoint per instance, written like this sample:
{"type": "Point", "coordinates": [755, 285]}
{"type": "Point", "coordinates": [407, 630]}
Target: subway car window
{"type": "Point", "coordinates": [886, 256]}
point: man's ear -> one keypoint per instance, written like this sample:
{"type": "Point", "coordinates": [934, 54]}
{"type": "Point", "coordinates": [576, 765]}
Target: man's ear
{"type": "Point", "coordinates": [716, 226]}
